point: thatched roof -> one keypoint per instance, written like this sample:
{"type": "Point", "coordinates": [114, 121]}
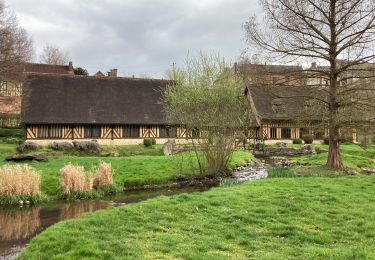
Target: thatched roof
{"type": "Point", "coordinates": [58, 99]}
{"type": "Point", "coordinates": [281, 102]}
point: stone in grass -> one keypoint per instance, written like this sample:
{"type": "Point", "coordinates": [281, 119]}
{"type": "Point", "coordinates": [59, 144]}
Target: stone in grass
{"type": "Point", "coordinates": [60, 146]}
{"type": "Point", "coordinates": [27, 157]}
{"type": "Point", "coordinates": [369, 171]}
{"type": "Point", "coordinates": [28, 146]}
{"type": "Point", "coordinates": [169, 146]}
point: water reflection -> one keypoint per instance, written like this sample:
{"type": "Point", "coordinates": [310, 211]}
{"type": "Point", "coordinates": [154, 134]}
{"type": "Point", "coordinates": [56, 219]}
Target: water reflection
{"type": "Point", "coordinates": [18, 226]}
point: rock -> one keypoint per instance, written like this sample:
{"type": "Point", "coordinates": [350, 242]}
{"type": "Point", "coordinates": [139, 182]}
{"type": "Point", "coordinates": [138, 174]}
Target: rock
{"type": "Point", "coordinates": [169, 146]}
{"type": "Point", "coordinates": [27, 157]}
{"type": "Point", "coordinates": [60, 146]}
{"type": "Point", "coordinates": [20, 202]}
{"type": "Point", "coordinates": [282, 144]}
{"type": "Point", "coordinates": [27, 202]}
{"type": "Point", "coordinates": [28, 146]}
{"type": "Point", "coordinates": [370, 171]}
{"type": "Point", "coordinates": [351, 172]}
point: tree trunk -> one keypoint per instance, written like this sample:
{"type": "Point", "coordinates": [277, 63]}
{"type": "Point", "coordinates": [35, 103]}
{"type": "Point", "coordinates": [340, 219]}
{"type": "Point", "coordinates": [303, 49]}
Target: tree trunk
{"type": "Point", "coordinates": [334, 160]}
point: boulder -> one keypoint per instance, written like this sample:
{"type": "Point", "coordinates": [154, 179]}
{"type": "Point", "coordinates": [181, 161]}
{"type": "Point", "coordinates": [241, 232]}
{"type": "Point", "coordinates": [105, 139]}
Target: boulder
{"type": "Point", "coordinates": [370, 171]}
{"type": "Point", "coordinates": [28, 146]}
{"type": "Point", "coordinates": [27, 157]}
{"type": "Point", "coordinates": [282, 144]}
{"type": "Point", "coordinates": [169, 146]}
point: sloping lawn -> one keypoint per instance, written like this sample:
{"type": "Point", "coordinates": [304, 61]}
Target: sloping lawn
{"type": "Point", "coordinates": [283, 218]}
{"type": "Point", "coordinates": [354, 156]}
{"type": "Point", "coordinates": [151, 168]}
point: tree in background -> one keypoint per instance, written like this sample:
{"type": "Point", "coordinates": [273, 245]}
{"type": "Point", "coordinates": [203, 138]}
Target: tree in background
{"type": "Point", "coordinates": [207, 99]}
{"type": "Point", "coordinates": [15, 44]}
{"type": "Point", "coordinates": [339, 33]}
{"type": "Point", "coordinates": [80, 71]}
{"type": "Point", "coordinates": [54, 55]}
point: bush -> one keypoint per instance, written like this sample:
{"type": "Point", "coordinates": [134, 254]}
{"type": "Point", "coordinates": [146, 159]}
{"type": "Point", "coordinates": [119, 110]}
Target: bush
{"type": "Point", "coordinates": [19, 180]}
{"type": "Point", "coordinates": [297, 141]}
{"type": "Point", "coordinates": [28, 146]}
{"type": "Point", "coordinates": [87, 146]}
{"type": "Point", "coordinates": [326, 139]}
{"type": "Point", "coordinates": [74, 179]}
{"type": "Point", "coordinates": [147, 142]}
{"type": "Point", "coordinates": [11, 140]}
{"type": "Point", "coordinates": [61, 146]}
{"type": "Point", "coordinates": [103, 176]}
{"type": "Point", "coordinates": [308, 139]}
{"type": "Point", "coordinates": [12, 132]}
{"type": "Point", "coordinates": [153, 141]}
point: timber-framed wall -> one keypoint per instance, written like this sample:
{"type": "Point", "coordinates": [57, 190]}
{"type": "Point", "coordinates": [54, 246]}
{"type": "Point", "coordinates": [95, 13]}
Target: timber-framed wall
{"type": "Point", "coordinates": [90, 131]}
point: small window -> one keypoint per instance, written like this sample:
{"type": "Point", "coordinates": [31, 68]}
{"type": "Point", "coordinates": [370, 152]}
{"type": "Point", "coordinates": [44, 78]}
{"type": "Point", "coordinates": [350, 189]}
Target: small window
{"type": "Point", "coordinates": [49, 131]}
{"type": "Point", "coordinates": [92, 131]}
{"type": "Point", "coordinates": [273, 132]}
{"type": "Point", "coordinates": [286, 133]}
{"type": "Point", "coordinates": [167, 132]}
{"type": "Point", "coordinates": [303, 131]}
{"type": "Point", "coordinates": [131, 131]}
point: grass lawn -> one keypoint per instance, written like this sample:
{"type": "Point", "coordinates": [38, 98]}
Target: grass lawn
{"type": "Point", "coordinates": [279, 218]}
{"type": "Point", "coordinates": [354, 156]}
{"type": "Point", "coordinates": [150, 168]}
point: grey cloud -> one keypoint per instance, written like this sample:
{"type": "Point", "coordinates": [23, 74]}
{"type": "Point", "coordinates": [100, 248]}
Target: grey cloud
{"type": "Point", "coordinates": [137, 37]}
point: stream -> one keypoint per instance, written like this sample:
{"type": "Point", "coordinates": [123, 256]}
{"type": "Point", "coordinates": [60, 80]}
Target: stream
{"type": "Point", "coordinates": [19, 225]}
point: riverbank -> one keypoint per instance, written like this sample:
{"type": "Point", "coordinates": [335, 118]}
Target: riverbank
{"type": "Point", "coordinates": [315, 217]}
{"type": "Point", "coordinates": [134, 166]}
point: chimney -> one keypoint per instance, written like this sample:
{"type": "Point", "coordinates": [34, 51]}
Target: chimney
{"type": "Point", "coordinates": [71, 69]}
{"type": "Point", "coordinates": [112, 73]}
{"type": "Point", "coordinates": [313, 65]}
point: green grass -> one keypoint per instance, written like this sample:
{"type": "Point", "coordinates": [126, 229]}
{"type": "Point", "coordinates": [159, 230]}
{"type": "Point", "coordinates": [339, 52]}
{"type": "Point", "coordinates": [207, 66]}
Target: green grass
{"type": "Point", "coordinates": [281, 218]}
{"type": "Point", "coordinates": [354, 156]}
{"type": "Point", "coordinates": [129, 170]}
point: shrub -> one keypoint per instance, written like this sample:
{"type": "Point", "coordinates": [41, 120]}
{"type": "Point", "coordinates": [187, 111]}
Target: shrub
{"type": "Point", "coordinates": [308, 139]}
{"type": "Point", "coordinates": [147, 142]}
{"type": "Point", "coordinates": [326, 139]}
{"type": "Point", "coordinates": [297, 141]}
{"type": "Point", "coordinates": [19, 180]}
{"type": "Point", "coordinates": [28, 146]}
{"type": "Point", "coordinates": [74, 179]}
{"type": "Point", "coordinates": [61, 146]}
{"type": "Point", "coordinates": [103, 176]}
{"type": "Point", "coordinates": [87, 146]}
{"type": "Point", "coordinates": [373, 139]}
{"type": "Point", "coordinates": [11, 140]}
{"type": "Point", "coordinates": [153, 141]}
{"type": "Point", "coordinates": [11, 132]}
{"type": "Point", "coordinates": [346, 140]}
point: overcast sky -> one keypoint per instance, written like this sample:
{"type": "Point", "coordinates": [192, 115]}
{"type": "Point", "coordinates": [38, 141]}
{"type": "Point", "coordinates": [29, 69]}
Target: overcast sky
{"type": "Point", "coordinates": [141, 37]}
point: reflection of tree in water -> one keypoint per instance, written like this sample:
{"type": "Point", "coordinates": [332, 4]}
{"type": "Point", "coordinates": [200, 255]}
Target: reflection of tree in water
{"type": "Point", "coordinates": [75, 210]}
{"type": "Point", "coordinates": [19, 224]}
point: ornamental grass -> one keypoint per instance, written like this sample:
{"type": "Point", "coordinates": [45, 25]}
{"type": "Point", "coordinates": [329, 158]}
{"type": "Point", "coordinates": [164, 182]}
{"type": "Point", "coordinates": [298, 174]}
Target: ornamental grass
{"type": "Point", "coordinates": [19, 180]}
{"type": "Point", "coordinates": [75, 179]}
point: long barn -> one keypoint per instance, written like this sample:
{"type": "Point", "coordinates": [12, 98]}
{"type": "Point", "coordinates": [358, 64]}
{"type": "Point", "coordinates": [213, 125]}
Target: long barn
{"type": "Point", "coordinates": [110, 110]}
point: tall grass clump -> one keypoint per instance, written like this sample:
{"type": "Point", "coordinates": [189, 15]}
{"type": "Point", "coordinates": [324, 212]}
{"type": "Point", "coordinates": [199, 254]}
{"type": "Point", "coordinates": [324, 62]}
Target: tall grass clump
{"type": "Point", "coordinates": [19, 183]}
{"type": "Point", "coordinates": [103, 176]}
{"type": "Point", "coordinates": [19, 180]}
{"type": "Point", "coordinates": [76, 183]}
{"type": "Point", "coordinates": [75, 179]}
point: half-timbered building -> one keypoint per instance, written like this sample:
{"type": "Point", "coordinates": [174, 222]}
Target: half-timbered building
{"type": "Point", "coordinates": [110, 110]}
{"type": "Point", "coordinates": [11, 89]}
{"type": "Point", "coordinates": [286, 113]}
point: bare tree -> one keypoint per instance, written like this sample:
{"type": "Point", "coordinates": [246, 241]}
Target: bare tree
{"type": "Point", "coordinates": [338, 33]}
{"type": "Point", "coordinates": [15, 45]}
{"type": "Point", "coordinates": [54, 55]}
